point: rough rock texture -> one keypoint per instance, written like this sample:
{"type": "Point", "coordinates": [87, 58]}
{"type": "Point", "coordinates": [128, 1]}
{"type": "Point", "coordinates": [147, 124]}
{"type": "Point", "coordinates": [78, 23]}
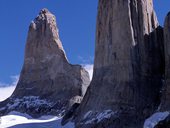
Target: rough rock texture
{"type": "Point", "coordinates": [48, 83]}
{"type": "Point", "coordinates": [165, 105]}
{"type": "Point", "coordinates": [165, 102]}
{"type": "Point", "coordinates": [128, 66]}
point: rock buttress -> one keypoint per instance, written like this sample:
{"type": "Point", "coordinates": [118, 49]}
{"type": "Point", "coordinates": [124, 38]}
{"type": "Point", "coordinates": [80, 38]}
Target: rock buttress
{"type": "Point", "coordinates": [128, 66]}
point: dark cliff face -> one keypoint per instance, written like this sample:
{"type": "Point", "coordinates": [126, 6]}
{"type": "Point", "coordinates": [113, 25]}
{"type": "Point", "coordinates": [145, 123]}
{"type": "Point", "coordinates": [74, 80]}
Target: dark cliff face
{"type": "Point", "coordinates": [165, 105]}
{"type": "Point", "coordinates": [47, 81]}
{"type": "Point", "coordinates": [128, 67]}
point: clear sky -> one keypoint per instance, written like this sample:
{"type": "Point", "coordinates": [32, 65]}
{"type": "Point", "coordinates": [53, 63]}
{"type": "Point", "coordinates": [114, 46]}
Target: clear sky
{"type": "Point", "coordinates": [76, 20]}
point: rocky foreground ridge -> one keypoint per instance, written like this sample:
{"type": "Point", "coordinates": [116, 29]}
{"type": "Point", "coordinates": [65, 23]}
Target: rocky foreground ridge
{"type": "Point", "coordinates": [48, 84]}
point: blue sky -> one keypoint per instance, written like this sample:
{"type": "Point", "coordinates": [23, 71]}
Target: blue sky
{"type": "Point", "coordinates": [76, 20]}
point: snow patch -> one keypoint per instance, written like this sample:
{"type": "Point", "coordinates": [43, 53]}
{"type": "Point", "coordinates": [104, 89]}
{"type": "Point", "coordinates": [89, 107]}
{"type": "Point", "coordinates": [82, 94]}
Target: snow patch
{"type": "Point", "coordinates": [90, 117]}
{"type": "Point", "coordinates": [20, 114]}
{"type": "Point", "coordinates": [14, 118]}
{"type": "Point", "coordinates": [18, 120]}
{"type": "Point", "coordinates": [87, 114]}
{"type": "Point", "coordinates": [152, 121]}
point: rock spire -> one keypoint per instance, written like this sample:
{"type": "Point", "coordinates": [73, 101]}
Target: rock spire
{"type": "Point", "coordinates": [48, 84]}
{"type": "Point", "coordinates": [128, 66]}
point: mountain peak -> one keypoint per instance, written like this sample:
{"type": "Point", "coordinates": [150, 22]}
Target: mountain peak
{"type": "Point", "coordinates": [46, 19]}
{"type": "Point", "coordinates": [47, 76]}
{"type": "Point", "coordinates": [44, 11]}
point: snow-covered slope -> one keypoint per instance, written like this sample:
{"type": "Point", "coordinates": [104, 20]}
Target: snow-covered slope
{"type": "Point", "coordinates": [152, 121]}
{"type": "Point", "coordinates": [20, 120]}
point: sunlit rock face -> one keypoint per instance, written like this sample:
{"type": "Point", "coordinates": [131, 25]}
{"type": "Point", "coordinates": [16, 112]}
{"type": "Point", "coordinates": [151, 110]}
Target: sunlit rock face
{"type": "Point", "coordinates": [46, 75]}
{"type": "Point", "coordinates": [128, 66]}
